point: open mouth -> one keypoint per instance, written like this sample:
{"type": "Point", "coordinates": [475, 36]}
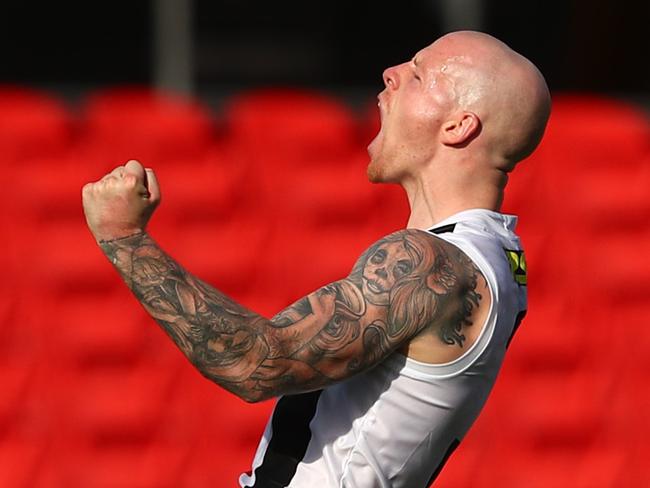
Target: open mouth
{"type": "Point", "coordinates": [381, 105]}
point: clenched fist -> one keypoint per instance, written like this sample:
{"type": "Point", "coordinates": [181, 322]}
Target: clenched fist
{"type": "Point", "coordinates": [121, 203]}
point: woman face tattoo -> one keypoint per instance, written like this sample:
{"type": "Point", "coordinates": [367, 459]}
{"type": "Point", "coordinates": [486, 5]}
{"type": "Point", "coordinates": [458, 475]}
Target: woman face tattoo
{"type": "Point", "coordinates": [384, 267]}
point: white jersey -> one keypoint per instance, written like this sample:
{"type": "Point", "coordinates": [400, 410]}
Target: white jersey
{"type": "Point", "coordinates": [396, 424]}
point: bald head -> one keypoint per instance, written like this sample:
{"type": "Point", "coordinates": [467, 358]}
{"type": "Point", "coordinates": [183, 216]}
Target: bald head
{"type": "Point", "coordinates": [466, 96]}
{"type": "Point", "coordinates": [455, 120]}
{"type": "Point", "coordinates": [505, 90]}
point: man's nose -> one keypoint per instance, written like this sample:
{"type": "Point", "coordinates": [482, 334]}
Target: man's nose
{"type": "Point", "coordinates": [391, 77]}
{"type": "Point", "coordinates": [381, 272]}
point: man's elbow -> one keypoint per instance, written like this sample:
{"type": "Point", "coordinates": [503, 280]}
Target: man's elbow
{"type": "Point", "coordinates": [255, 396]}
{"type": "Point", "coordinates": [240, 389]}
{"type": "Point", "coordinates": [249, 395]}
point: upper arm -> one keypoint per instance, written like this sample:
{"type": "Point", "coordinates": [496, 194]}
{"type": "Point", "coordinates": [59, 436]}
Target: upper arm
{"type": "Point", "coordinates": [405, 283]}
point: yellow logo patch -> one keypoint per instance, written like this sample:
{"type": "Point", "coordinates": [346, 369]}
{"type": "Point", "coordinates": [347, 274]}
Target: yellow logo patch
{"type": "Point", "coordinates": [518, 266]}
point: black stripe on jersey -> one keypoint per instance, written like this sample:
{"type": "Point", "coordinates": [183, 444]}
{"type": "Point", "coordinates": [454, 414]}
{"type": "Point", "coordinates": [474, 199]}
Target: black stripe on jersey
{"type": "Point", "coordinates": [518, 319]}
{"type": "Point", "coordinates": [443, 228]}
{"type": "Point", "coordinates": [450, 450]}
{"type": "Point", "coordinates": [290, 436]}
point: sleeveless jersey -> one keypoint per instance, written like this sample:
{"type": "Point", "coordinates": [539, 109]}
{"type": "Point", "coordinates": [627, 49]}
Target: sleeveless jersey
{"type": "Point", "coordinates": [395, 425]}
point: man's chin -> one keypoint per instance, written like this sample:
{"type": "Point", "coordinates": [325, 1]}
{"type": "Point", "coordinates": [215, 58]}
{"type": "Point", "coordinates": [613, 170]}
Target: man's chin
{"type": "Point", "coordinates": [378, 171]}
{"type": "Point", "coordinates": [373, 172]}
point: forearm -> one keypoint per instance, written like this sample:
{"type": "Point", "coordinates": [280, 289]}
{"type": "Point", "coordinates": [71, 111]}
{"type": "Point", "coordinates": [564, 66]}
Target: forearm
{"type": "Point", "coordinates": [251, 356]}
{"type": "Point", "coordinates": [224, 340]}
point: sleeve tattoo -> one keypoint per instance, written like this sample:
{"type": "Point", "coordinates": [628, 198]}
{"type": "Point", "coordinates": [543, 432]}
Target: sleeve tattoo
{"type": "Point", "coordinates": [408, 283]}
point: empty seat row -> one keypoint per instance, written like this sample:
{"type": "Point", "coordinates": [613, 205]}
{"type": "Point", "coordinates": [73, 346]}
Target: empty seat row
{"type": "Point", "coordinates": [269, 205]}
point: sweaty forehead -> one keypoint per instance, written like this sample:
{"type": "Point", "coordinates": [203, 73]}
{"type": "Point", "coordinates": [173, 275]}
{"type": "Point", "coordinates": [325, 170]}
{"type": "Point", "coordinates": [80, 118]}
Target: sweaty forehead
{"type": "Point", "coordinates": [436, 58]}
{"type": "Point", "coordinates": [423, 55]}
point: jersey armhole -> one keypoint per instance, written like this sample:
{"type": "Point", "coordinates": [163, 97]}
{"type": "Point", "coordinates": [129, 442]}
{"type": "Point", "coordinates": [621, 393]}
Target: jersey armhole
{"type": "Point", "coordinates": [423, 371]}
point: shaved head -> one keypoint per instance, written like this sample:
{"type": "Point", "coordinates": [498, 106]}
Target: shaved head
{"type": "Point", "coordinates": [506, 90]}
{"type": "Point", "coordinates": [467, 95]}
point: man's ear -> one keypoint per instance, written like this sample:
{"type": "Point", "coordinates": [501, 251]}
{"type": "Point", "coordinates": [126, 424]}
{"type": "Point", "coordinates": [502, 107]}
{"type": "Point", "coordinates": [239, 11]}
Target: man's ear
{"type": "Point", "coordinates": [461, 130]}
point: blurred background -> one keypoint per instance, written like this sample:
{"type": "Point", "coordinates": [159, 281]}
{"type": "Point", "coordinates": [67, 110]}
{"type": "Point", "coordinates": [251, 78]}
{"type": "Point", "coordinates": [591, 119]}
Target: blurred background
{"type": "Point", "coordinates": [256, 116]}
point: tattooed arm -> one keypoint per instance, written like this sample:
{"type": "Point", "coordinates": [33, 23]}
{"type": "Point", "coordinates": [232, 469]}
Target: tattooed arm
{"type": "Point", "coordinates": [396, 290]}
{"type": "Point", "coordinates": [406, 283]}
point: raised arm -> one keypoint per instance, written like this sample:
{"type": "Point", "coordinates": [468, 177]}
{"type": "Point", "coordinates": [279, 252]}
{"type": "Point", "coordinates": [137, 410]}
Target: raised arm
{"type": "Point", "coordinates": [405, 283]}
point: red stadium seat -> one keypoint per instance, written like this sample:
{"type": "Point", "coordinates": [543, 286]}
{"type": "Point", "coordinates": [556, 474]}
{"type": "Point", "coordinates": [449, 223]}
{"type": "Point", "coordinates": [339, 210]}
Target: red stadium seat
{"type": "Point", "coordinates": [590, 139]}
{"type": "Point", "coordinates": [280, 133]}
{"type": "Point", "coordinates": [20, 460]}
{"type": "Point", "coordinates": [616, 197]}
{"type": "Point", "coordinates": [305, 260]}
{"type": "Point", "coordinates": [330, 195]}
{"type": "Point", "coordinates": [116, 404]}
{"type": "Point", "coordinates": [546, 340]}
{"type": "Point", "coordinates": [591, 170]}
{"type": "Point", "coordinates": [590, 131]}
{"type": "Point", "coordinates": [209, 190]}
{"type": "Point", "coordinates": [15, 382]}
{"type": "Point", "coordinates": [461, 469]}
{"type": "Point", "coordinates": [621, 276]}
{"type": "Point", "coordinates": [140, 466]}
{"type": "Point", "coordinates": [216, 465]}
{"type": "Point", "coordinates": [241, 424]}
{"type": "Point", "coordinates": [63, 259]}
{"type": "Point", "coordinates": [527, 188]}
{"type": "Point", "coordinates": [33, 124]}
{"type": "Point", "coordinates": [299, 126]}
{"type": "Point", "coordinates": [603, 465]}
{"type": "Point", "coordinates": [625, 433]}
{"type": "Point", "coordinates": [54, 190]}
{"type": "Point", "coordinates": [232, 255]}
{"type": "Point", "coordinates": [153, 127]}
{"type": "Point", "coordinates": [98, 329]}
{"type": "Point", "coordinates": [552, 414]}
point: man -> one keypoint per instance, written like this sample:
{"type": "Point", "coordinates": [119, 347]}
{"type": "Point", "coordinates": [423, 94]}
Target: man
{"type": "Point", "coordinates": [382, 373]}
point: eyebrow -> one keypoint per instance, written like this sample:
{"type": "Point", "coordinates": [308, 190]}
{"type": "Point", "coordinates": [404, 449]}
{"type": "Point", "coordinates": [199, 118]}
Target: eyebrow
{"type": "Point", "coordinates": [416, 68]}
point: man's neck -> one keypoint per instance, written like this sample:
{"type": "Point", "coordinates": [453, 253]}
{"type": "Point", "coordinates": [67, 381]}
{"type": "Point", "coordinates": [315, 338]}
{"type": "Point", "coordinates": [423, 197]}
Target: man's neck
{"type": "Point", "coordinates": [434, 202]}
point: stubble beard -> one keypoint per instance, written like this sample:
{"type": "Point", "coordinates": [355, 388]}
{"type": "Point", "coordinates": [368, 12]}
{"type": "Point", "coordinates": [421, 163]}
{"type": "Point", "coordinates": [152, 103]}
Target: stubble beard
{"type": "Point", "coordinates": [382, 165]}
{"type": "Point", "coordinates": [376, 170]}
{"type": "Point", "coordinates": [373, 172]}
{"type": "Point", "coordinates": [382, 169]}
